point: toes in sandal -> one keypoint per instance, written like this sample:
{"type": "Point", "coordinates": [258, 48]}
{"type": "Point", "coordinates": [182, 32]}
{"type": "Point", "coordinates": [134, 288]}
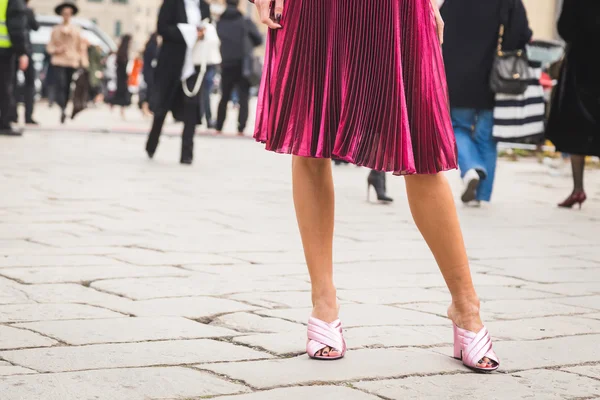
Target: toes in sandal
{"type": "Point", "coordinates": [322, 335]}
{"type": "Point", "coordinates": [472, 348]}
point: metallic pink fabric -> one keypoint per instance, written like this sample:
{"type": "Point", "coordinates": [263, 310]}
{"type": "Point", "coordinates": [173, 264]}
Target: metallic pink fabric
{"type": "Point", "coordinates": [358, 80]}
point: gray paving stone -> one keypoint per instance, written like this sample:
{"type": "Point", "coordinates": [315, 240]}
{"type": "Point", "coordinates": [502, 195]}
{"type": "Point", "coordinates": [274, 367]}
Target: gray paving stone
{"type": "Point", "coordinates": [85, 274]}
{"type": "Point", "coordinates": [527, 267]}
{"type": "Point", "coordinates": [201, 284]}
{"type": "Point", "coordinates": [130, 384]}
{"type": "Point", "coordinates": [565, 275]}
{"type": "Point", "coordinates": [74, 293]}
{"type": "Point", "coordinates": [100, 356]}
{"type": "Point", "coordinates": [556, 352]}
{"type": "Point", "coordinates": [368, 279]}
{"type": "Point", "coordinates": [279, 343]}
{"type": "Point", "coordinates": [145, 257]}
{"type": "Point", "coordinates": [49, 312]}
{"type": "Point", "coordinates": [592, 302]}
{"type": "Point", "coordinates": [7, 369]}
{"type": "Point", "coordinates": [294, 342]}
{"type": "Point", "coordinates": [275, 299]}
{"type": "Point", "coordinates": [304, 392]}
{"type": "Point", "coordinates": [508, 309]}
{"type": "Point", "coordinates": [567, 289]}
{"type": "Point", "coordinates": [250, 270]}
{"type": "Point", "coordinates": [593, 371]}
{"type": "Point", "coordinates": [538, 384]}
{"type": "Point", "coordinates": [120, 330]}
{"type": "Point", "coordinates": [12, 293]}
{"type": "Point", "coordinates": [358, 364]}
{"type": "Point", "coordinates": [393, 295]}
{"type": "Point", "coordinates": [12, 338]}
{"type": "Point", "coordinates": [189, 307]}
{"type": "Point", "coordinates": [540, 328]}
{"type": "Point", "coordinates": [30, 260]}
{"type": "Point", "coordinates": [487, 293]}
{"type": "Point", "coordinates": [398, 336]}
{"type": "Point", "coordinates": [364, 315]}
{"type": "Point", "coordinates": [247, 322]}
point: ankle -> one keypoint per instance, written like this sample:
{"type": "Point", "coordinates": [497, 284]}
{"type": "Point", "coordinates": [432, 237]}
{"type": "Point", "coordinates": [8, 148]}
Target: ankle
{"type": "Point", "coordinates": [324, 296]}
{"type": "Point", "coordinates": [464, 312]}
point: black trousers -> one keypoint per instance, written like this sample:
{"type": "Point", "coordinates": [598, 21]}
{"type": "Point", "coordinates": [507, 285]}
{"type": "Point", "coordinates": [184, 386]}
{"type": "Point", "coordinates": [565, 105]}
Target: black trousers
{"type": "Point", "coordinates": [7, 93]}
{"type": "Point", "coordinates": [29, 90]}
{"type": "Point", "coordinates": [63, 77]}
{"type": "Point", "coordinates": [192, 115]}
{"type": "Point", "coordinates": [232, 77]}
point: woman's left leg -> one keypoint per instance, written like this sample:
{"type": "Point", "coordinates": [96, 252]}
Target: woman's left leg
{"type": "Point", "coordinates": [433, 209]}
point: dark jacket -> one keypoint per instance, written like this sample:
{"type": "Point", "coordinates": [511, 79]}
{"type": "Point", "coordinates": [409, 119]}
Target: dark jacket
{"type": "Point", "coordinates": [16, 22]}
{"type": "Point", "coordinates": [32, 25]}
{"type": "Point", "coordinates": [166, 93]}
{"type": "Point", "coordinates": [574, 122]}
{"type": "Point", "coordinates": [239, 36]}
{"type": "Point", "coordinates": [470, 42]}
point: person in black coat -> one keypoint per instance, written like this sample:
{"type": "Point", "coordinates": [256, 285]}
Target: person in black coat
{"type": "Point", "coordinates": [29, 88]}
{"type": "Point", "coordinates": [167, 93]}
{"type": "Point", "coordinates": [14, 46]}
{"type": "Point", "coordinates": [122, 95]}
{"type": "Point", "coordinates": [150, 56]}
{"type": "Point", "coordinates": [574, 123]}
{"type": "Point", "coordinates": [239, 36]}
{"type": "Point", "coordinates": [470, 42]}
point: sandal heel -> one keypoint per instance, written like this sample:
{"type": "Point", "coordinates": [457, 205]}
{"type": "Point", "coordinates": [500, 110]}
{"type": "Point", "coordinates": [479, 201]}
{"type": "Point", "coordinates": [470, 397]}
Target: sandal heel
{"type": "Point", "coordinates": [457, 346]}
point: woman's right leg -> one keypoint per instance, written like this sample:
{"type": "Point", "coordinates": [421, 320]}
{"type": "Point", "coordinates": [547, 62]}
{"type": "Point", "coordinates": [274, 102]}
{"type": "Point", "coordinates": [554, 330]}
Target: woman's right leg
{"type": "Point", "coordinates": [314, 201]}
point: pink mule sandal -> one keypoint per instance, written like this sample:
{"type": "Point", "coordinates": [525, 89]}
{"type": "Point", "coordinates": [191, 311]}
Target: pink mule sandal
{"type": "Point", "coordinates": [472, 347]}
{"type": "Point", "coordinates": [321, 335]}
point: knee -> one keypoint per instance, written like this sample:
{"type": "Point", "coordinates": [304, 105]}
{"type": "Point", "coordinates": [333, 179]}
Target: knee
{"type": "Point", "coordinates": [312, 166]}
{"type": "Point", "coordinates": [425, 179]}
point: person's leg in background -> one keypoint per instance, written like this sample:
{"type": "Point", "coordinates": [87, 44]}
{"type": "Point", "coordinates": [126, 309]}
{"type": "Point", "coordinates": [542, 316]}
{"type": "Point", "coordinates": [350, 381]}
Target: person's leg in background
{"type": "Point", "coordinates": [189, 129]}
{"type": "Point", "coordinates": [578, 195]}
{"type": "Point", "coordinates": [29, 93]}
{"type": "Point", "coordinates": [154, 136]}
{"type": "Point", "coordinates": [228, 77]}
{"type": "Point", "coordinates": [63, 89]}
{"type": "Point", "coordinates": [192, 110]}
{"type": "Point", "coordinates": [488, 151]}
{"type": "Point", "coordinates": [7, 72]}
{"type": "Point", "coordinates": [244, 90]}
{"type": "Point", "coordinates": [471, 164]}
{"type": "Point", "coordinates": [209, 80]}
{"type": "Point", "coordinates": [14, 104]}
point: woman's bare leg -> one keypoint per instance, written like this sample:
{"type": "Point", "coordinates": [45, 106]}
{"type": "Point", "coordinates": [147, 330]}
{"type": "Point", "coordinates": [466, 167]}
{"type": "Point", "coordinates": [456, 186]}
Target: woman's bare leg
{"type": "Point", "coordinates": [433, 209]}
{"type": "Point", "coordinates": [314, 201]}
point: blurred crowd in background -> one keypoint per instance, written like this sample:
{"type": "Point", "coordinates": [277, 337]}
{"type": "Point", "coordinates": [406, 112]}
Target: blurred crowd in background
{"type": "Point", "coordinates": [556, 103]}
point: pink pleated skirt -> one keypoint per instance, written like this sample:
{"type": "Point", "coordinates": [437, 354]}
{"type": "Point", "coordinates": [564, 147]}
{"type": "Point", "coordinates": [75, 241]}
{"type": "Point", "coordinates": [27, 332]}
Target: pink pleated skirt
{"type": "Point", "coordinates": [361, 81]}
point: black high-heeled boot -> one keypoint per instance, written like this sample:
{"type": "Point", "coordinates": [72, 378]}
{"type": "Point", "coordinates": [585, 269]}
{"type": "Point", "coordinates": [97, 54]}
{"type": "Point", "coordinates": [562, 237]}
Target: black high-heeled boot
{"type": "Point", "coordinates": [377, 180]}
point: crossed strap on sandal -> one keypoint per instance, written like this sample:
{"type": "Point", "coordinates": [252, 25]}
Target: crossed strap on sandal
{"type": "Point", "coordinates": [471, 348]}
{"type": "Point", "coordinates": [321, 335]}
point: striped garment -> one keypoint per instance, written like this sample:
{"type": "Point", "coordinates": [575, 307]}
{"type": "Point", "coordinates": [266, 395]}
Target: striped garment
{"type": "Point", "coordinates": [520, 118]}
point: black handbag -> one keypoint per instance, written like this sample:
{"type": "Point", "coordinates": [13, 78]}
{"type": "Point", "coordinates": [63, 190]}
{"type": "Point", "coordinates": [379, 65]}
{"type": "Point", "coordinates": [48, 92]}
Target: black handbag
{"type": "Point", "coordinates": [252, 66]}
{"type": "Point", "coordinates": [510, 71]}
{"type": "Point", "coordinates": [252, 69]}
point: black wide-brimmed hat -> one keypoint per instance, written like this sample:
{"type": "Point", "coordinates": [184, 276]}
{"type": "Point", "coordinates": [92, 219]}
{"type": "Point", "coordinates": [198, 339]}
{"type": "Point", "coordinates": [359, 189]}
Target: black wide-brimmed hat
{"type": "Point", "coordinates": [64, 4]}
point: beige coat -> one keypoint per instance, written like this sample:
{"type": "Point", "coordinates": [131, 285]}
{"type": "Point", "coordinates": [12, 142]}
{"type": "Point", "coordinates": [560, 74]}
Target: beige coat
{"type": "Point", "coordinates": [67, 47]}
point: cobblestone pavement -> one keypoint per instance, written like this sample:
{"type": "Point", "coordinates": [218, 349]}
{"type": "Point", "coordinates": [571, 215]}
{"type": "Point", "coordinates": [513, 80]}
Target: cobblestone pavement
{"type": "Point", "coordinates": [128, 279]}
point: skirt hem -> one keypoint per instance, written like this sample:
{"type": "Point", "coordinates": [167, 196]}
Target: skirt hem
{"type": "Point", "coordinates": [349, 158]}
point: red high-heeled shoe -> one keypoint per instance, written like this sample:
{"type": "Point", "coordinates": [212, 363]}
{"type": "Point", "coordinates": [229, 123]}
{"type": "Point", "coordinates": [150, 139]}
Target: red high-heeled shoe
{"type": "Point", "coordinates": [578, 197]}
